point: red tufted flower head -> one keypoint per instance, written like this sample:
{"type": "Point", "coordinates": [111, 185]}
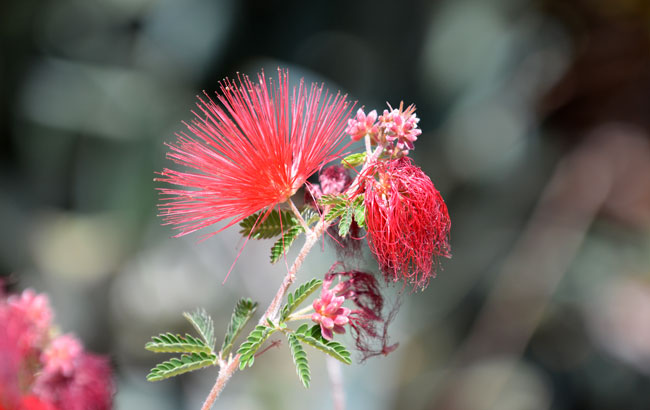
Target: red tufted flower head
{"type": "Point", "coordinates": [251, 152]}
{"type": "Point", "coordinates": [407, 222]}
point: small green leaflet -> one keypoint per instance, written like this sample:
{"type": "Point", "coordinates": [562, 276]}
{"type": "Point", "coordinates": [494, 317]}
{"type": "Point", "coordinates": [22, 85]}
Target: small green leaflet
{"type": "Point", "coordinates": [243, 312]}
{"type": "Point", "coordinates": [331, 199]}
{"type": "Point", "coordinates": [252, 344]}
{"type": "Point", "coordinates": [272, 226]}
{"type": "Point", "coordinates": [185, 363]}
{"type": "Point", "coordinates": [359, 211]}
{"type": "Point", "coordinates": [354, 160]}
{"type": "Point", "coordinates": [314, 338]}
{"type": "Point", "coordinates": [347, 210]}
{"type": "Point", "coordinates": [281, 246]}
{"type": "Point", "coordinates": [336, 211]}
{"type": "Point", "coordinates": [170, 343]}
{"type": "Point", "coordinates": [346, 221]}
{"type": "Point", "coordinates": [203, 324]}
{"type": "Point", "coordinates": [299, 359]}
{"type": "Point", "coordinates": [296, 298]}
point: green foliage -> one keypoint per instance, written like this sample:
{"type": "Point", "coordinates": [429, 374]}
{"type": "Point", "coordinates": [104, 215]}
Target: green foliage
{"type": "Point", "coordinates": [331, 199]}
{"type": "Point", "coordinates": [203, 324]}
{"type": "Point", "coordinates": [170, 343]}
{"type": "Point", "coordinates": [282, 245]}
{"type": "Point", "coordinates": [298, 296]}
{"type": "Point", "coordinates": [272, 226]}
{"type": "Point", "coordinates": [299, 359]}
{"type": "Point", "coordinates": [336, 211]}
{"type": "Point", "coordinates": [243, 312]}
{"type": "Point", "coordinates": [185, 363]}
{"type": "Point", "coordinates": [354, 160]}
{"type": "Point", "coordinates": [359, 211]}
{"type": "Point", "coordinates": [346, 210]}
{"type": "Point", "coordinates": [252, 344]}
{"type": "Point", "coordinates": [346, 221]}
{"type": "Point", "coordinates": [313, 337]}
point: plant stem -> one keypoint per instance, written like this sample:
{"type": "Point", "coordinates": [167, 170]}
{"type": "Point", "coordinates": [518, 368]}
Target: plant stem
{"type": "Point", "coordinates": [303, 311]}
{"type": "Point", "coordinates": [271, 312]}
{"type": "Point", "coordinates": [298, 317]}
{"type": "Point", "coordinates": [336, 378]}
{"type": "Point", "coordinates": [296, 212]}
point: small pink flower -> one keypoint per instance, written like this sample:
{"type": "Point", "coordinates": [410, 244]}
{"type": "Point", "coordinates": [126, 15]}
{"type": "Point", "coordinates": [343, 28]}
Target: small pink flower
{"type": "Point", "coordinates": [362, 125]}
{"type": "Point", "coordinates": [368, 325]}
{"type": "Point", "coordinates": [400, 125]}
{"type": "Point", "coordinates": [330, 314]}
{"type": "Point", "coordinates": [61, 355]}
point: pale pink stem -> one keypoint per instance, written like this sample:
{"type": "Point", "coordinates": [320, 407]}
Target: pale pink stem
{"type": "Point", "coordinates": [271, 312]}
{"type": "Point", "coordinates": [233, 363]}
{"type": "Point", "coordinates": [336, 378]}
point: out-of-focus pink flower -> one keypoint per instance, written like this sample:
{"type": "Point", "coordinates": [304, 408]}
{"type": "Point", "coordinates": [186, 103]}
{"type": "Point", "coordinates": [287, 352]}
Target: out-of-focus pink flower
{"type": "Point", "coordinates": [400, 125]}
{"type": "Point", "coordinates": [407, 222]}
{"type": "Point", "coordinates": [362, 125]}
{"type": "Point", "coordinates": [88, 387]}
{"type": "Point", "coordinates": [31, 402]}
{"type": "Point", "coordinates": [37, 373]}
{"type": "Point", "coordinates": [36, 311]}
{"type": "Point", "coordinates": [333, 180]}
{"type": "Point", "coordinates": [61, 355]}
{"type": "Point", "coordinates": [251, 152]}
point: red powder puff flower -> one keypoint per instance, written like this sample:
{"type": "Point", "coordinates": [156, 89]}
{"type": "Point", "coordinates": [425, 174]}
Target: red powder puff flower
{"type": "Point", "coordinates": [407, 222]}
{"type": "Point", "coordinates": [251, 152]}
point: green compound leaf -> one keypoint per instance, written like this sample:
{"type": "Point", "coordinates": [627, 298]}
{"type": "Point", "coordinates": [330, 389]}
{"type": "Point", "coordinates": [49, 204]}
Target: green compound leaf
{"type": "Point", "coordinates": [300, 360]}
{"type": "Point", "coordinates": [296, 298]}
{"type": "Point", "coordinates": [336, 211]}
{"type": "Point", "coordinates": [170, 343]}
{"type": "Point", "coordinates": [203, 324]}
{"type": "Point", "coordinates": [185, 363]}
{"type": "Point", "coordinates": [252, 344]}
{"type": "Point", "coordinates": [331, 199]}
{"type": "Point", "coordinates": [243, 312]}
{"type": "Point", "coordinates": [346, 221]}
{"type": "Point", "coordinates": [314, 338]}
{"type": "Point", "coordinates": [359, 211]}
{"type": "Point", "coordinates": [354, 160]}
{"type": "Point", "coordinates": [272, 226]}
{"type": "Point", "coordinates": [281, 246]}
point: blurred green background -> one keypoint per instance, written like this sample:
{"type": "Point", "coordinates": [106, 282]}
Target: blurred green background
{"type": "Point", "coordinates": [535, 118]}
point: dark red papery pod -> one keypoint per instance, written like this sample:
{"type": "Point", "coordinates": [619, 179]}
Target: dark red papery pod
{"type": "Point", "coordinates": [407, 222]}
{"type": "Point", "coordinates": [368, 323]}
